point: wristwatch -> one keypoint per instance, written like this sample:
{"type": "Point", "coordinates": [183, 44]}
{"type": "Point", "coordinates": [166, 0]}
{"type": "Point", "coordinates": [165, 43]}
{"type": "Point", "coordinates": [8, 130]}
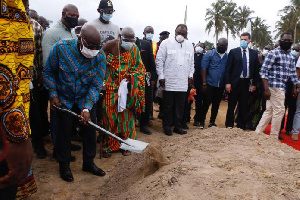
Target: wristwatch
{"type": "Point", "coordinates": [85, 110]}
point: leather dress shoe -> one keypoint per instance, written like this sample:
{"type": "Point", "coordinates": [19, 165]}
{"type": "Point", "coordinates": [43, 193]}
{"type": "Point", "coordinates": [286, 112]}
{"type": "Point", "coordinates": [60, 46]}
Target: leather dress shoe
{"type": "Point", "coordinates": [196, 123]}
{"type": "Point", "coordinates": [168, 132]}
{"type": "Point", "coordinates": [65, 173]}
{"type": "Point", "coordinates": [145, 129]}
{"type": "Point", "coordinates": [280, 137]}
{"type": "Point", "coordinates": [185, 126]}
{"type": "Point", "coordinates": [93, 169]}
{"type": "Point", "coordinates": [179, 131]}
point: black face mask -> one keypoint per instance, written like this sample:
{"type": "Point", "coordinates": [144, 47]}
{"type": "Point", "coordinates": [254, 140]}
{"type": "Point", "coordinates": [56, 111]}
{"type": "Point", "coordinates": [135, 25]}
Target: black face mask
{"type": "Point", "coordinates": [221, 49]}
{"type": "Point", "coordinates": [72, 22]}
{"type": "Point", "coordinates": [285, 45]}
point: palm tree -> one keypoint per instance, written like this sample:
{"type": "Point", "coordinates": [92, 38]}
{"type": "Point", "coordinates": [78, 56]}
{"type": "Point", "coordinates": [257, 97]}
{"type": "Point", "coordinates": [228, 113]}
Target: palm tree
{"type": "Point", "coordinates": [242, 16]}
{"type": "Point", "coordinates": [215, 18]}
{"type": "Point", "coordinates": [229, 14]}
{"type": "Point", "coordinates": [261, 36]}
{"type": "Point", "coordinates": [289, 21]}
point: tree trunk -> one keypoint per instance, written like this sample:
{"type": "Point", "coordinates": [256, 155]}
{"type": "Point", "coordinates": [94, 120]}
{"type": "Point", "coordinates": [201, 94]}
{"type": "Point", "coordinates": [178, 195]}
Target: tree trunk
{"type": "Point", "coordinates": [227, 32]}
{"type": "Point", "coordinates": [295, 32]}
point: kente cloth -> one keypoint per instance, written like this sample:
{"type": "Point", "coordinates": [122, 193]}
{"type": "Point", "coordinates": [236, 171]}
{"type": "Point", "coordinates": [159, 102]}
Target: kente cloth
{"type": "Point", "coordinates": [16, 64]}
{"type": "Point", "coordinates": [127, 65]}
{"type": "Point", "coordinates": [26, 187]}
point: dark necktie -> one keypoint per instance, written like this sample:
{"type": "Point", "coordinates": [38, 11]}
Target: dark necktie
{"type": "Point", "coordinates": [244, 64]}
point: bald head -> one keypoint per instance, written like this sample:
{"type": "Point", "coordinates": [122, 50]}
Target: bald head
{"type": "Point", "coordinates": [91, 36]}
{"type": "Point", "coordinates": [33, 14]}
{"type": "Point", "coordinates": [81, 21]}
{"type": "Point", "coordinates": [128, 33]}
{"type": "Point", "coordinates": [43, 22]}
{"type": "Point", "coordinates": [296, 47]}
{"type": "Point", "coordinates": [222, 45]}
{"type": "Point", "coordinates": [69, 7]}
{"type": "Point", "coordinates": [223, 42]}
{"type": "Point", "coordinates": [148, 29]}
{"type": "Point", "coordinates": [70, 16]}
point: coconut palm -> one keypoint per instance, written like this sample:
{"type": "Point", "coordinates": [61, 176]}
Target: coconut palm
{"type": "Point", "coordinates": [215, 18]}
{"type": "Point", "coordinates": [289, 20]}
{"type": "Point", "coordinates": [242, 15]}
{"type": "Point", "coordinates": [261, 36]}
{"type": "Point", "coordinates": [229, 14]}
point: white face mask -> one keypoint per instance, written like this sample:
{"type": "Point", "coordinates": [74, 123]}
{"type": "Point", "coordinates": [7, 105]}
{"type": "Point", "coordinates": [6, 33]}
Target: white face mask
{"type": "Point", "coordinates": [179, 38]}
{"type": "Point", "coordinates": [88, 53]}
{"type": "Point", "coordinates": [149, 36]}
{"type": "Point", "coordinates": [199, 49]}
{"type": "Point", "coordinates": [265, 52]}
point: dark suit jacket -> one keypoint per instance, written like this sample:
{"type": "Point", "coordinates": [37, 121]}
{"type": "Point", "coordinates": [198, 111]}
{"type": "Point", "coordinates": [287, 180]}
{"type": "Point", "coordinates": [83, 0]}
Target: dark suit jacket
{"type": "Point", "coordinates": [146, 52]}
{"type": "Point", "coordinates": [234, 67]}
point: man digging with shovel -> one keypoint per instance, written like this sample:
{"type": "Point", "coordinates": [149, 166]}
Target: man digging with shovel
{"type": "Point", "coordinates": [74, 74]}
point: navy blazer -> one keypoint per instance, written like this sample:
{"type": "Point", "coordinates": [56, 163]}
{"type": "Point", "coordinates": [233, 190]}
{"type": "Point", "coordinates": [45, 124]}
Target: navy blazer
{"type": "Point", "coordinates": [234, 67]}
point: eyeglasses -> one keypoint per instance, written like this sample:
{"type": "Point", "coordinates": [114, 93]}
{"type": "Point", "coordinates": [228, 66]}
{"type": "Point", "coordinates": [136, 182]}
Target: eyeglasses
{"type": "Point", "coordinates": [90, 46]}
{"type": "Point", "coordinates": [128, 39]}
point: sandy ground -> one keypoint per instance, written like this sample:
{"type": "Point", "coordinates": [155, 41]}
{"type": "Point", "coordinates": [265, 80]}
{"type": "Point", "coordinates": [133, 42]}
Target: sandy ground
{"type": "Point", "coordinates": [214, 163]}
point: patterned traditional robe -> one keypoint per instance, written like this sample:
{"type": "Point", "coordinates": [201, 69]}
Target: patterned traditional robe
{"type": "Point", "coordinates": [129, 64]}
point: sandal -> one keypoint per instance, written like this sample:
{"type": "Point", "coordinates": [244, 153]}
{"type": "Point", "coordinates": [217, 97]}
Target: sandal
{"type": "Point", "coordinates": [125, 153]}
{"type": "Point", "coordinates": [106, 154]}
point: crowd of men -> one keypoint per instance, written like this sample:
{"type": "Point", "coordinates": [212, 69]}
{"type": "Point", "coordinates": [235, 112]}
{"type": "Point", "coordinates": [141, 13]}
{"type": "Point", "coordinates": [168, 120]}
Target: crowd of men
{"type": "Point", "coordinates": [81, 66]}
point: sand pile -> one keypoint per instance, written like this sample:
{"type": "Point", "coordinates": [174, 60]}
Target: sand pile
{"type": "Point", "coordinates": [215, 163]}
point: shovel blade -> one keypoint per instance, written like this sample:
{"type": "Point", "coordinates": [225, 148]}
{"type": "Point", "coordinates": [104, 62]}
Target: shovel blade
{"type": "Point", "coordinates": [133, 145]}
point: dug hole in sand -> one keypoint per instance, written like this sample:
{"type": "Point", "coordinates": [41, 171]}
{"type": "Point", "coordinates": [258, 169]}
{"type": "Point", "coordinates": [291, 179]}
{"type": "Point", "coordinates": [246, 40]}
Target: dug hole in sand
{"type": "Point", "coordinates": [214, 163]}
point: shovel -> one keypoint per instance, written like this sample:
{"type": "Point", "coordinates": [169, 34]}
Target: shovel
{"type": "Point", "coordinates": [128, 144]}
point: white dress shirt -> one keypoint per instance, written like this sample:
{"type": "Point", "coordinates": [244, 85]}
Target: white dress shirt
{"type": "Point", "coordinates": [247, 55]}
{"type": "Point", "coordinates": [175, 64]}
{"type": "Point", "coordinates": [298, 63]}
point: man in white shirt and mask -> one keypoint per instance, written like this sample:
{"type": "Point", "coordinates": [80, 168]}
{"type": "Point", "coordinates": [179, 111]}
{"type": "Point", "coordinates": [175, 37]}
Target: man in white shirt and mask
{"type": "Point", "coordinates": [175, 68]}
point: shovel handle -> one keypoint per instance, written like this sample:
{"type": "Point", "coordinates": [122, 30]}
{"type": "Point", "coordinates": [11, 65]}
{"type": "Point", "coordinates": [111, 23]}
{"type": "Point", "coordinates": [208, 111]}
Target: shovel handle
{"type": "Point", "coordinates": [92, 124]}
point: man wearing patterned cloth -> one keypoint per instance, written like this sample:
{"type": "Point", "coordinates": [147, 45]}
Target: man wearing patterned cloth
{"type": "Point", "coordinates": [74, 74]}
{"type": "Point", "coordinates": [16, 60]}
{"type": "Point", "coordinates": [123, 62]}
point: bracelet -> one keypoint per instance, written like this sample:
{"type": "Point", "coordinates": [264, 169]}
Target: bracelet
{"type": "Point", "coordinates": [85, 110]}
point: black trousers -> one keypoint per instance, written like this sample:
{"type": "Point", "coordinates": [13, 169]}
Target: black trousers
{"type": "Point", "coordinates": [187, 108]}
{"type": "Point", "coordinates": [199, 98]}
{"type": "Point", "coordinates": [212, 96]}
{"type": "Point", "coordinates": [63, 137]}
{"type": "Point", "coordinates": [99, 108]}
{"type": "Point", "coordinates": [290, 104]}
{"type": "Point", "coordinates": [173, 103]}
{"type": "Point", "coordinates": [44, 100]}
{"type": "Point", "coordinates": [239, 94]}
{"type": "Point", "coordinates": [145, 116]}
{"type": "Point", "coordinates": [38, 115]}
{"type": "Point", "coordinates": [8, 193]}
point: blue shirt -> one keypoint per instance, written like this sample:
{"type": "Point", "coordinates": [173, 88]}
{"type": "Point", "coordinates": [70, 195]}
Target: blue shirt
{"type": "Point", "coordinates": [73, 78]}
{"type": "Point", "coordinates": [215, 68]}
{"type": "Point", "coordinates": [277, 67]}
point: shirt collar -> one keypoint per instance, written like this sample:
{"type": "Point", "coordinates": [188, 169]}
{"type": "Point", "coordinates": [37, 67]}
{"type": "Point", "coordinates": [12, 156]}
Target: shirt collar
{"type": "Point", "coordinates": [62, 25]}
{"type": "Point", "coordinates": [247, 49]}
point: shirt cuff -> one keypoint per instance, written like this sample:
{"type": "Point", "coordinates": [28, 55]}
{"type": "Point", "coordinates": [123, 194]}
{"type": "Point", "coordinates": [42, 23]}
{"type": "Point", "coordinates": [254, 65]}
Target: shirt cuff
{"type": "Point", "coordinates": [53, 94]}
{"type": "Point", "coordinates": [161, 76]}
{"type": "Point", "coordinates": [87, 105]}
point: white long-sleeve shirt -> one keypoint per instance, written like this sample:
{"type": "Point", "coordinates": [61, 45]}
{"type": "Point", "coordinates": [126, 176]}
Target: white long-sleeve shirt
{"type": "Point", "coordinates": [175, 64]}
